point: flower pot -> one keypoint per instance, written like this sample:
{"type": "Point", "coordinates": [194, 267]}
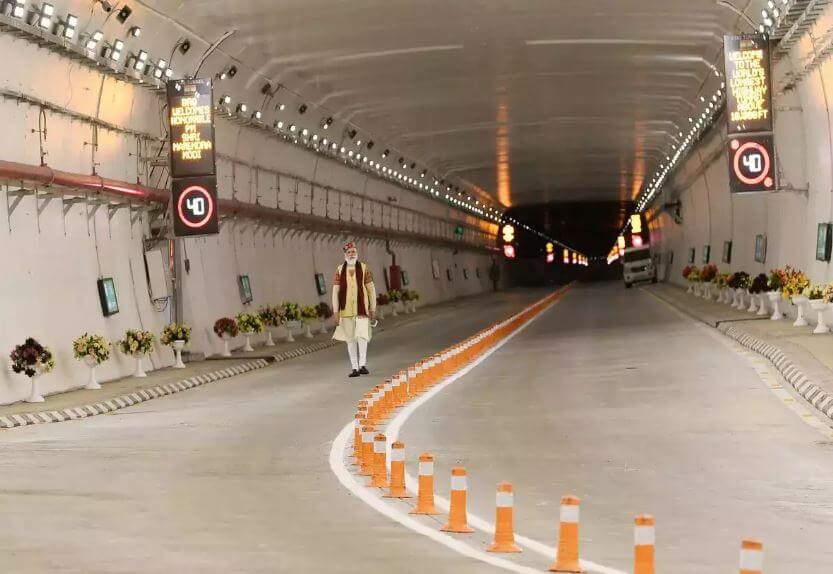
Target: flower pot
{"type": "Point", "coordinates": [269, 341]}
{"type": "Point", "coordinates": [92, 380]}
{"type": "Point", "coordinates": [178, 345]}
{"type": "Point", "coordinates": [739, 293]}
{"type": "Point", "coordinates": [323, 329]}
{"type": "Point", "coordinates": [226, 349]}
{"type": "Point", "coordinates": [690, 288]}
{"type": "Point", "coordinates": [799, 302]}
{"type": "Point", "coordinates": [34, 395]}
{"type": "Point", "coordinates": [775, 301]}
{"type": "Point", "coordinates": [762, 309]}
{"type": "Point", "coordinates": [248, 346]}
{"type": "Point", "coordinates": [139, 370]}
{"type": "Point", "coordinates": [753, 302]}
{"type": "Point", "coordinates": [393, 311]}
{"type": "Point", "coordinates": [307, 332]}
{"type": "Point", "coordinates": [819, 306]}
{"type": "Point", "coordinates": [380, 311]}
{"type": "Point", "coordinates": [289, 326]}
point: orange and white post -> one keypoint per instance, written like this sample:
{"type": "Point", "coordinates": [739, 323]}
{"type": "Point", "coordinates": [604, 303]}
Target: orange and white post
{"type": "Point", "coordinates": [751, 557]}
{"type": "Point", "coordinates": [457, 514]}
{"type": "Point", "coordinates": [379, 478]}
{"type": "Point", "coordinates": [366, 462]}
{"type": "Point", "coordinates": [425, 492]}
{"type": "Point", "coordinates": [397, 472]}
{"type": "Point", "coordinates": [504, 521]}
{"type": "Point", "coordinates": [644, 538]}
{"type": "Point", "coordinates": [567, 558]}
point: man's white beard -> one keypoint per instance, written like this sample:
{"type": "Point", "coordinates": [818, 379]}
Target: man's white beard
{"type": "Point", "coordinates": [351, 260]}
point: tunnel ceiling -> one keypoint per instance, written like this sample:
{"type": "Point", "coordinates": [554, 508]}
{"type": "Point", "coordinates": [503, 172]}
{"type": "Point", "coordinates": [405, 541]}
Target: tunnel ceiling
{"type": "Point", "coordinates": [533, 101]}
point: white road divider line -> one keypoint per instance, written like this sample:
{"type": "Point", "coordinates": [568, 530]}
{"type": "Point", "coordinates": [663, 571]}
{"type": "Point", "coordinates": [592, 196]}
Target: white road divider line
{"type": "Point", "coordinates": [338, 465]}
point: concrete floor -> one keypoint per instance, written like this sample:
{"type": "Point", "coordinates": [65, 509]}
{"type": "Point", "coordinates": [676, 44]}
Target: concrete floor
{"type": "Point", "coordinates": [231, 477]}
{"type": "Point", "coordinates": [610, 395]}
{"type": "Point", "coordinates": [613, 396]}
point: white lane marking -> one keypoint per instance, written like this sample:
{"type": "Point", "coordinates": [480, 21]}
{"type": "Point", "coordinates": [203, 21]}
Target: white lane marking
{"type": "Point", "coordinates": [769, 376]}
{"type": "Point", "coordinates": [337, 464]}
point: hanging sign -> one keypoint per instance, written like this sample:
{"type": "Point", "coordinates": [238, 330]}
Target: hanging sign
{"type": "Point", "coordinates": [748, 85]}
{"type": "Point", "coordinates": [191, 127]}
{"type": "Point", "coordinates": [751, 164]}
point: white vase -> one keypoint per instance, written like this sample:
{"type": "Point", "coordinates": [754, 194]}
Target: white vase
{"type": "Point", "coordinates": [248, 346]}
{"type": "Point", "coordinates": [819, 306]}
{"type": "Point", "coordinates": [775, 301]}
{"type": "Point", "coordinates": [323, 329]}
{"type": "Point", "coordinates": [269, 341]}
{"type": "Point", "coordinates": [226, 350]}
{"type": "Point", "coordinates": [393, 311]}
{"type": "Point", "coordinates": [380, 311]}
{"type": "Point", "coordinates": [762, 309]}
{"type": "Point", "coordinates": [690, 288]}
{"type": "Point", "coordinates": [139, 371]}
{"type": "Point", "coordinates": [800, 320]}
{"type": "Point", "coordinates": [739, 293]}
{"type": "Point", "coordinates": [92, 380]}
{"type": "Point", "coordinates": [753, 303]}
{"type": "Point", "coordinates": [307, 332]}
{"type": "Point", "coordinates": [34, 395]}
{"type": "Point", "coordinates": [289, 326]}
{"type": "Point", "coordinates": [178, 345]}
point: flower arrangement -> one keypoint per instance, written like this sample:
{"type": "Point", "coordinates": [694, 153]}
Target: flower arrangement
{"type": "Point", "coordinates": [291, 312]}
{"type": "Point", "coordinates": [394, 296]}
{"type": "Point", "coordinates": [249, 323]}
{"type": "Point", "coordinates": [406, 295]}
{"type": "Point", "coordinates": [827, 293]}
{"type": "Point", "coordinates": [693, 274]}
{"type": "Point", "coordinates": [686, 271]}
{"type": "Point", "coordinates": [271, 316]}
{"type": "Point", "coordinates": [324, 311]}
{"type": "Point", "coordinates": [137, 342]}
{"type": "Point", "coordinates": [175, 332]}
{"type": "Point", "coordinates": [721, 280]}
{"type": "Point", "coordinates": [708, 273]}
{"type": "Point", "coordinates": [814, 292]}
{"type": "Point", "coordinates": [795, 282]}
{"type": "Point", "coordinates": [759, 284]}
{"type": "Point", "coordinates": [414, 295]}
{"type": "Point", "coordinates": [226, 326]}
{"type": "Point", "coordinates": [31, 357]}
{"type": "Point", "coordinates": [776, 279]}
{"type": "Point", "coordinates": [739, 280]}
{"type": "Point", "coordinates": [382, 299]}
{"type": "Point", "coordinates": [309, 312]}
{"type": "Point", "coordinates": [93, 346]}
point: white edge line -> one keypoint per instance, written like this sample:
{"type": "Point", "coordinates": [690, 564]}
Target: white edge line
{"type": "Point", "coordinates": [392, 431]}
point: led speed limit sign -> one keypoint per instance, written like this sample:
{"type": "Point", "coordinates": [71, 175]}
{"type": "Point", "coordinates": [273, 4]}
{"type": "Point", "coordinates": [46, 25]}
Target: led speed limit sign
{"type": "Point", "coordinates": [751, 164]}
{"type": "Point", "coordinates": [195, 206]}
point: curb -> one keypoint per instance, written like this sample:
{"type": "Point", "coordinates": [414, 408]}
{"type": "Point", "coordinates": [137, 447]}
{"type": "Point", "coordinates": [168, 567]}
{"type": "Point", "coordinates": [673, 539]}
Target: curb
{"type": "Point", "coordinates": [811, 392]}
{"type": "Point", "coordinates": [127, 400]}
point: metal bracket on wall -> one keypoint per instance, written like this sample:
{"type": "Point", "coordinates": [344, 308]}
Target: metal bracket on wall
{"type": "Point", "coordinates": [789, 188]}
{"type": "Point", "coordinates": [13, 199]}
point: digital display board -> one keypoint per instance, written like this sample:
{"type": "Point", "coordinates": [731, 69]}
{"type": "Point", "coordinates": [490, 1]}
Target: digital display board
{"type": "Point", "coordinates": [748, 95]}
{"type": "Point", "coordinates": [191, 127]}
{"type": "Point", "coordinates": [751, 164]}
{"type": "Point", "coordinates": [195, 206]}
{"type": "Point", "coordinates": [107, 296]}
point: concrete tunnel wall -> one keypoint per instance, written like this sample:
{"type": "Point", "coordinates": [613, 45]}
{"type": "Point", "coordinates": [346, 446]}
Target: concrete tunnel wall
{"type": "Point", "coordinates": [51, 262]}
{"type": "Point", "coordinates": [788, 219]}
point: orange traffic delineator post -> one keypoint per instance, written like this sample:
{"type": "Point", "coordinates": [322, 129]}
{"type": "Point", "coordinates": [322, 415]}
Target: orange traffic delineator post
{"type": "Point", "coordinates": [644, 538]}
{"type": "Point", "coordinates": [567, 558]}
{"type": "Point", "coordinates": [504, 528]}
{"type": "Point", "coordinates": [366, 462]}
{"type": "Point", "coordinates": [397, 472]}
{"type": "Point", "coordinates": [379, 478]}
{"type": "Point", "coordinates": [357, 438]}
{"type": "Point", "coordinates": [457, 515]}
{"type": "Point", "coordinates": [425, 492]}
{"type": "Point", "coordinates": [751, 557]}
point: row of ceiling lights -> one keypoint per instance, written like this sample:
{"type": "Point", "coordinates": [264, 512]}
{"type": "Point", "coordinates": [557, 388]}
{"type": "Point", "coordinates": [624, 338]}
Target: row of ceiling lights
{"type": "Point", "coordinates": [772, 15]}
{"type": "Point", "coordinates": [43, 17]}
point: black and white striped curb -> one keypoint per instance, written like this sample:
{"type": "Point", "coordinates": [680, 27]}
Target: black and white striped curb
{"type": "Point", "coordinates": [124, 401]}
{"type": "Point", "coordinates": [817, 397]}
{"type": "Point", "coordinates": [305, 350]}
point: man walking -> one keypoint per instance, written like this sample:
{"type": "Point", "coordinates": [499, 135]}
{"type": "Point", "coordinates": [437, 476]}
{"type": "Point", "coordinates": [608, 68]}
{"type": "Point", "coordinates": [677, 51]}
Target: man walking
{"type": "Point", "coordinates": [354, 299]}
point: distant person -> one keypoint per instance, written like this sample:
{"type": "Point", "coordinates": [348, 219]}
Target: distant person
{"type": "Point", "coordinates": [494, 274]}
{"type": "Point", "coordinates": [354, 302]}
